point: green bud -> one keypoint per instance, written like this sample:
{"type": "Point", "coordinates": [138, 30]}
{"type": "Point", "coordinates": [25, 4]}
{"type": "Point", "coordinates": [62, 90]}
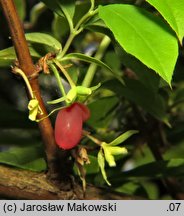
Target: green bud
{"type": "Point", "coordinates": [84, 91]}
{"type": "Point", "coordinates": [115, 150]}
{"type": "Point", "coordinates": [71, 96]}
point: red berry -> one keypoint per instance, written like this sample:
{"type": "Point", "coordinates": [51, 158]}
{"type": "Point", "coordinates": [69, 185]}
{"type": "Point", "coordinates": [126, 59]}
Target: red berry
{"type": "Point", "coordinates": [85, 111]}
{"type": "Point", "coordinates": [68, 125]}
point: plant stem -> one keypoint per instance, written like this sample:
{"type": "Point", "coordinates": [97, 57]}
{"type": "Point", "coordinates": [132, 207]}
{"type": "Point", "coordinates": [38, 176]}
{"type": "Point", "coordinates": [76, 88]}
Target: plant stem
{"type": "Point", "coordinates": [92, 5]}
{"type": "Point", "coordinates": [67, 45]}
{"type": "Point", "coordinates": [75, 31]}
{"type": "Point", "coordinates": [94, 139]}
{"type": "Point", "coordinates": [89, 14]}
{"type": "Point", "coordinates": [22, 74]}
{"type": "Point", "coordinates": [27, 66]}
{"type": "Point", "coordinates": [92, 68]}
{"type": "Point", "coordinates": [72, 84]}
{"type": "Point", "coordinates": [58, 78]}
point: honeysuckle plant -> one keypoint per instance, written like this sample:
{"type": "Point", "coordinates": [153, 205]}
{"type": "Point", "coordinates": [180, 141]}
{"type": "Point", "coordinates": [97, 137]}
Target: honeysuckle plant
{"type": "Point", "coordinates": [70, 118]}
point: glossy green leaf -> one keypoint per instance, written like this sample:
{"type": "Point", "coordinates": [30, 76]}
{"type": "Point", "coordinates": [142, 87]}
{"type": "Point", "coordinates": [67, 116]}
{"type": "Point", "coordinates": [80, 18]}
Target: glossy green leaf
{"type": "Point", "coordinates": [101, 163]}
{"type": "Point", "coordinates": [89, 59]}
{"type": "Point", "coordinates": [172, 11]}
{"type": "Point", "coordinates": [30, 158]}
{"type": "Point", "coordinates": [143, 35]}
{"type": "Point", "coordinates": [50, 42]}
{"type": "Point", "coordinates": [123, 137]}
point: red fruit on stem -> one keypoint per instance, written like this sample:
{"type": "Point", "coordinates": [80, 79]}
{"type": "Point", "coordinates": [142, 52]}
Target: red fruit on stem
{"type": "Point", "coordinates": [68, 125]}
{"type": "Point", "coordinates": [85, 111]}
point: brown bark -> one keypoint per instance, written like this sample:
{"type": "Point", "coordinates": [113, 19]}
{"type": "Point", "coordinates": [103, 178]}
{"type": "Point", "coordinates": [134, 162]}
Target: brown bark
{"type": "Point", "coordinates": [23, 184]}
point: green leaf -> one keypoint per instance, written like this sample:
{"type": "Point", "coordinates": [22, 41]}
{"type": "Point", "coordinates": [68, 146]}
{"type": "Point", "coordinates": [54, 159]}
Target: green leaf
{"type": "Point", "coordinates": [49, 42]}
{"type": "Point", "coordinates": [59, 23]}
{"type": "Point", "coordinates": [151, 189]}
{"type": "Point", "coordinates": [143, 35]}
{"type": "Point", "coordinates": [128, 187]}
{"type": "Point", "coordinates": [84, 58]}
{"type": "Point", "coordinates": [93, 167]}
{"type": "Point", "coordinates": [101, 163]}
{"type": "Point", "coordinates": [30, 158]}
{"type": "Point", "coordinates": [172, 11]}
{"type": "Point", "coordinates": [175, 151]}
{"type": "Point", "coordinates": [123, 137]}
{"type": "Point", "coordinates": [8, 56]}
{"type": "Point", "coordinates": [89, 59]}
